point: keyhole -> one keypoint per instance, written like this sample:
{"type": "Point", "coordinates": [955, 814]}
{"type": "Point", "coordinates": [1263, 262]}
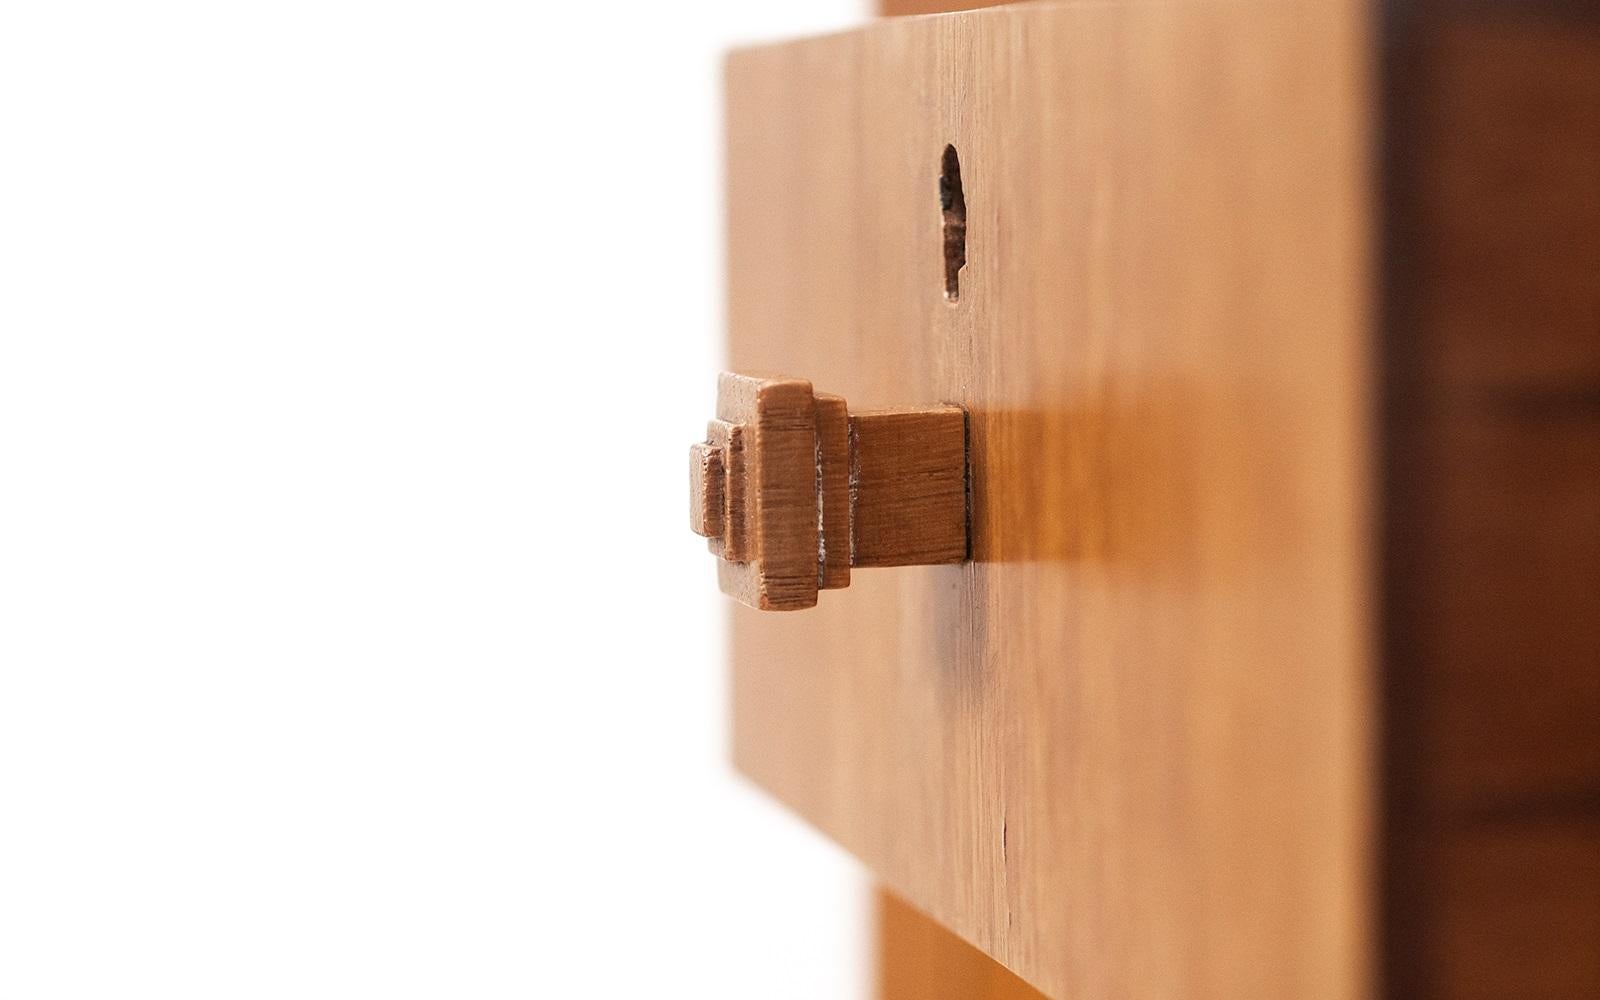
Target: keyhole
{"type": "Point", "coordinates": [953, 206]}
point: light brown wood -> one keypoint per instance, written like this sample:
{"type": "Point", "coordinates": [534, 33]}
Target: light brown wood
{"type": "Point", "coordinates": [776, 566]}
{"type": "Point", "coordinates": [707, 481]}
{"type": "Point", "coordinates": [792, 489]}
{"type": "Point", "coordinates": [1126, 749]}
{"type": "Point", "coordinates": [920, 960]}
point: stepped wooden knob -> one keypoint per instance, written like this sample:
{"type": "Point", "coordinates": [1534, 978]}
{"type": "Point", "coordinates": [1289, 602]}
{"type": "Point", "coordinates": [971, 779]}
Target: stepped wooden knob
{"type": "Point", "coordinates": [793, 489]}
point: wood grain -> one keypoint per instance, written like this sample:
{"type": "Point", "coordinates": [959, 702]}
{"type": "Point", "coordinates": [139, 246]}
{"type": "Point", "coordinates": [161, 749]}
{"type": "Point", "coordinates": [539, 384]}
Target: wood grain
{"type": "Point", "coordinates": [792, 490]}
{"type": "Point", "coordinates": [778, 417]}
{"type": "Point", "coordinates": [1126, 749]}
{"type": "Point", "coordinates": [707, 495]}
{"type": "Point", "coordinates": [908, 487]}
{"type": "Point", "coordinates": [730, 541]}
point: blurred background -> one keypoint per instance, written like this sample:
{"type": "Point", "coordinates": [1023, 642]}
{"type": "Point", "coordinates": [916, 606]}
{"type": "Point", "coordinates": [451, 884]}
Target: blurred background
{"type": "Point", "coordinates": [343, 347]}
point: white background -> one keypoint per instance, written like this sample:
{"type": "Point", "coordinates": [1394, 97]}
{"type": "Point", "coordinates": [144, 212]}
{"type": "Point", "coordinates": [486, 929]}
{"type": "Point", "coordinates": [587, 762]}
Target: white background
{"type": "Point", "coordinates": [352, 639]}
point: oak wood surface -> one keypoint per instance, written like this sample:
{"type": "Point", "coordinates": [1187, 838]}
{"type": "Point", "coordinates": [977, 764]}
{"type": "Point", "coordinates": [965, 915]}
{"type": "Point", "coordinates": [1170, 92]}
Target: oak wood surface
{"type": "Point", "coordinates": [1126, 749]}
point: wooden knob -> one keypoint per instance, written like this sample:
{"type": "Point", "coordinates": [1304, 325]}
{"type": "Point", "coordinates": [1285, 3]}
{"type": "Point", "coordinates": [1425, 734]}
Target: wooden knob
{"type": "Point", "coordinates": [793, 489]}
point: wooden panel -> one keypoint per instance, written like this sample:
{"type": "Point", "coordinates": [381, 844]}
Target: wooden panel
{"type": "Point", "coordinates": [1492, 499]}
{"type": "Point", "coordinates": [919, 960]}
{"type": "Point", "coordinates": [1124, 750]}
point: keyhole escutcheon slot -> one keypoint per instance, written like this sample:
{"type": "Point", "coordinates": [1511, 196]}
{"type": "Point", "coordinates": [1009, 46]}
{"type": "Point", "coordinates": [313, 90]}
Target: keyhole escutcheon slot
{"type": "Point", "coordinates": [953, 211]}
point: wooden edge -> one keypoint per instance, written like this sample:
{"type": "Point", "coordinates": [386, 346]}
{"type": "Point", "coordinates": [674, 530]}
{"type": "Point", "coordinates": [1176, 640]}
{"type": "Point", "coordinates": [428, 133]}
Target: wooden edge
{"type": "Point", "coordinates": [779, 569]}
{"type": "Point", "coordinates": [706, 476]}
{"type": "Point", "coordinates": [728, 440]}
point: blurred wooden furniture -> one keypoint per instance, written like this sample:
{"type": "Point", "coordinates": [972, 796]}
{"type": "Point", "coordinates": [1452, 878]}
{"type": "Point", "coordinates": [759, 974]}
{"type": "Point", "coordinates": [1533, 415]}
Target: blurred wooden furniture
{"type": "Point", "coordinates": [1489, 493]}
{"type": "Point", "coordinates": [1275, 671]}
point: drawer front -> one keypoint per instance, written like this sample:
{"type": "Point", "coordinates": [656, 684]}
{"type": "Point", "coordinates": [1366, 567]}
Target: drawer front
{"type": "Point", "coordinates": [1126, 748]}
